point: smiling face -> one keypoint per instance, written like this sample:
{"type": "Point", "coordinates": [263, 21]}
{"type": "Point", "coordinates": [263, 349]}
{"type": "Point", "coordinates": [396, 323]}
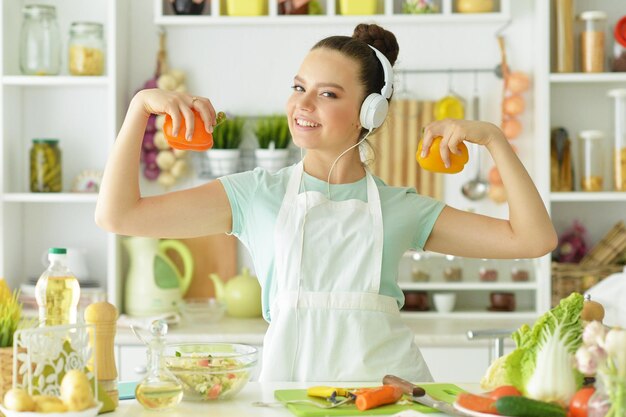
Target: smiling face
{"type": "Point", "coordinates": [323, 110]}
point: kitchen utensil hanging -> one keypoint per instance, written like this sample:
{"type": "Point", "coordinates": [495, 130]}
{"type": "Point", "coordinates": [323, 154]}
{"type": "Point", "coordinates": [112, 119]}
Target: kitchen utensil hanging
{"type": "Point", "coordinates": [476, 188]}
{"type": "Point", "coordinates": [452, 106]}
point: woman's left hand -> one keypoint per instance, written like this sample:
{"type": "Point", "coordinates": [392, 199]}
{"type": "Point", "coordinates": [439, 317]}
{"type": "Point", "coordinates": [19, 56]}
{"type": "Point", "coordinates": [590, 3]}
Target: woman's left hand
{"type": "Point", "coordinates": [455, 131]}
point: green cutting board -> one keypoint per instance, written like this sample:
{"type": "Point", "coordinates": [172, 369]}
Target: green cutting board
{"type": "Point", "coordinates": [442, 392]}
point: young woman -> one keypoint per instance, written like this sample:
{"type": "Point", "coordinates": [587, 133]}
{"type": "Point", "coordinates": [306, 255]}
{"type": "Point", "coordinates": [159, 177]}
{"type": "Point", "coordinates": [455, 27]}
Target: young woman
{"type": "Point", "coordinates": [325, 235]}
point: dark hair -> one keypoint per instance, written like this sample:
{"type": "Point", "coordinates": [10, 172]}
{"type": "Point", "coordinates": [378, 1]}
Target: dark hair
{"type": "Point", "coordinates": [371, 71]}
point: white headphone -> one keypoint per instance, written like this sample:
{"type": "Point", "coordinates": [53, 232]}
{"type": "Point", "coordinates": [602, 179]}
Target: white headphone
{"type": "Point", "coordinates": [375, 106]}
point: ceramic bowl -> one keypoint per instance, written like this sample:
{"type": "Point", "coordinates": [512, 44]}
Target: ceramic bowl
{"type": "Point", "coordinates": [196, 311]}
{"type": "Point", "coordinates": [210, 371]}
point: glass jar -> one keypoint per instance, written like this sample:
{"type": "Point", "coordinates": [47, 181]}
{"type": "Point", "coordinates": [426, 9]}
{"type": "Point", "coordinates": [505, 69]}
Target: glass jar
{"type": "Point", "coordinates": [474, 6]}
{"type": "Point", "coordinates": [45, 166]}
{"type": "Point", "coordinates": [519, 270]}
{"type": "Point", "coordinates": [487, 271]}
{"type": "Point", "coordinates": [619, 147]}
{"type": "Point", "coordinates": [419, 267]}
{"type": "Point", "coordinates": [86, 49]}
{"type": "Point", "coordinates": [619, 46]}
{"type": "Point", "coordinates": [592, 41]}
{"type": "Point", "coordinates": [452, 272]}
{"type": "Point", "coordinates": [591, 155]}
{"type": "Point", "coordinates": [40, 41]}
{"type": "Point", "coordinates": [564, 34]}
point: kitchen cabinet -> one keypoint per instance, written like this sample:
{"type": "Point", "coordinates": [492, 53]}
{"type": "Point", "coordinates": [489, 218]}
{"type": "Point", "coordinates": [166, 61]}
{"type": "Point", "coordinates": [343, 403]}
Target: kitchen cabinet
{"type": "Point", "coordinates": [84, 113]}
{"type": "Point", "coordinates": [577, 101]}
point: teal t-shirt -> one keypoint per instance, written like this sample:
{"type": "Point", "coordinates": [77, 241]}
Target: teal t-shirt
{"type": "Point", "coordinates": [256, 196]}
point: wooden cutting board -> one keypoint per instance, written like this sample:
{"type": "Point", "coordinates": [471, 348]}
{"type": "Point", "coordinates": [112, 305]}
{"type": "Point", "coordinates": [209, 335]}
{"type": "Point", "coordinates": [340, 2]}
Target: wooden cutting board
{"type": "Point", "coordinates": [211, 254]}
{"type": "Point", "coordinates": [439, 391]}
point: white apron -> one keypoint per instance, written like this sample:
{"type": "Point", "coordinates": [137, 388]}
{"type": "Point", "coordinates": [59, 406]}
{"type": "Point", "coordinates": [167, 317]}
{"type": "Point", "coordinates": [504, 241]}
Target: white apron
{"type": "Point", "coordinates": [328, 320]}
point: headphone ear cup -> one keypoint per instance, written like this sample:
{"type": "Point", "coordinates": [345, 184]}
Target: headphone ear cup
{"type": "Point", "coordinates": [373, 111]}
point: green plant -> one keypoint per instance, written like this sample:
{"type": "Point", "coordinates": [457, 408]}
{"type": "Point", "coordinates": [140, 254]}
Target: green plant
{"type": "Point", "coordinates": [228, 134]}
{"type": "Point", "coordinates": [275, 129]}
{"type": "Point", "coordinates": [10, 315]}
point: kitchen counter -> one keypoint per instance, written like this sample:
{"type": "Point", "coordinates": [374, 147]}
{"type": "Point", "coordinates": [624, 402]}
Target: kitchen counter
{"type": "Point", "coordinates": [429, 332]}
{"type": "Point", "coordinates": [241, 405]}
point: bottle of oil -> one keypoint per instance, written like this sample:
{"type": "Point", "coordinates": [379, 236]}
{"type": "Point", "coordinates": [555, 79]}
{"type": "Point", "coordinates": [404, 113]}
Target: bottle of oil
{"type": "Point", "coordinates": [160, 389]}
{"type": "Point", "coordinates": [57, 291]}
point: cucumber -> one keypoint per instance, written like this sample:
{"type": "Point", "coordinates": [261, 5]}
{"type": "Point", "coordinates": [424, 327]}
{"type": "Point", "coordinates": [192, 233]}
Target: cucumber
{"type": "Point", "coordinates": [526, 407]}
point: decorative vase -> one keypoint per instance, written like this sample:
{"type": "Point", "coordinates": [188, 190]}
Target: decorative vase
{"type": "Point", "coordinates": [271, 160]}
{"type": "Point", "coordinates": [188, 7]}
{"type": "Point", "coordinates": [358, 7]}
{"type": "Point", "coordinates": [223, 161]}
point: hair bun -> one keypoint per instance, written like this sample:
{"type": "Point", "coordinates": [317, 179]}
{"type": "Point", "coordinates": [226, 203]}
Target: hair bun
{"type": "Point", "coordinates": [379, 38]}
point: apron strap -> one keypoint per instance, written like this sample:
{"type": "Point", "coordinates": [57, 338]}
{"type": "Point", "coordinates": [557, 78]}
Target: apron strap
{"type": "Point", "coordinates": [373, 202]}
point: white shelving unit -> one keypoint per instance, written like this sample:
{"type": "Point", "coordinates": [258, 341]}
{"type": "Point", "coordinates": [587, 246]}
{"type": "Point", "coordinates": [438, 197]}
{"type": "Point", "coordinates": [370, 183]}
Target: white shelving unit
{"type": "Point", "coordinates": [84, 113]}
{"type": "Point", "coordinates": [388, 11]}
{"type": "Point", "coordinates": [577, 101]}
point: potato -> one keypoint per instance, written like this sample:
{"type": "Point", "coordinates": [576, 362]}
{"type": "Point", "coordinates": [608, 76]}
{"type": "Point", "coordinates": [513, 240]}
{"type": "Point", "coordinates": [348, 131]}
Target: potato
{"type": "Point", "coordinates": [76, 391]}
{"type": "Point", "coordinates": [18, 399]}
{"type": "Point", "coordinates": [48, 404]}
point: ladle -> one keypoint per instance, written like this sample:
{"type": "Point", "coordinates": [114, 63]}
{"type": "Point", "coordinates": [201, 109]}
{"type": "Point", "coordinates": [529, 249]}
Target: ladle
{"type": "Point", "coordinates": [476, 188]}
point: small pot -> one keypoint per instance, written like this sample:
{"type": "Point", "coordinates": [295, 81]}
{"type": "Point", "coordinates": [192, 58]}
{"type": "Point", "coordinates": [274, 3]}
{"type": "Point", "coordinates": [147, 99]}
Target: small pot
{"type": "Point", "coordinates": [188, 7]}
{"type": "Point", "coordinates": [416, 301]}
{"type": "Point", "coordinates": [502, 301]}
{"type": "Point", "coordinates": [287, 7]}
{"type": "Point", "coordinates": [223, 161]}
{"type": "Point", "coordinates": [271, 160]}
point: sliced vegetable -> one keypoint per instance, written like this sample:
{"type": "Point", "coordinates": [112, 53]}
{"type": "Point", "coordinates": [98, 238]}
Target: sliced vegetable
{"type": "Point", "coordinates": [479, 403]}
{"type": "Point", "coordinates": [375, 397]}
{"type": "Point", "coordinates": [514, 406]}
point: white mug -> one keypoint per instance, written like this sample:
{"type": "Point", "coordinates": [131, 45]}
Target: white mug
{"type": "Point", "coordinates": [76, 262]}
{"type": "Point", "coordinates": [444, 302]}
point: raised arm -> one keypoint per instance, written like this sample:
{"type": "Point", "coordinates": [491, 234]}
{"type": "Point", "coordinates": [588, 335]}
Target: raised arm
{"type": "Point", "coordinates": [528, 232]}
{"type": "Point", "coordinates": [121, 209]}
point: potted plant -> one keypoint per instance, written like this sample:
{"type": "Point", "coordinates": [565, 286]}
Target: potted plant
{"type": "Point", "coordinates": [10, 314]}
{"type": "Point", "coordinates": [357, 7]}
{"type": "Point", "coordinates": [224, 156]}
{"type": "Point", "coordinates": [291, 7]}
{"type": "Point", "coordinates": [272, 133]}
{"type": "Point", "coordinates": [246, 7]}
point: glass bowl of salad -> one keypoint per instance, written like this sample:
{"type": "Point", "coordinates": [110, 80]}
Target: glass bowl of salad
{"type": "Point", "coordinates": [210, 371]}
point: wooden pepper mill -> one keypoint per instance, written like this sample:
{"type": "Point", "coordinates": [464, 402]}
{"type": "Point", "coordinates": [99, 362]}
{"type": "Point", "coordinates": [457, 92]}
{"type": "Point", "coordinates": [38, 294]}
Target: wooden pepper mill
{"type": "Point", "coordinates": [104, 316]}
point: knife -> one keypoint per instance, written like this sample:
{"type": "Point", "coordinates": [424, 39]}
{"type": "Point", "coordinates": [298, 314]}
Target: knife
{"type": "Point", "coordinates": [421, 397]}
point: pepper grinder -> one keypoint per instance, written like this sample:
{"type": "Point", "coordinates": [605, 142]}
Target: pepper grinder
{"type": "Point", "coordinates": [104, 316]}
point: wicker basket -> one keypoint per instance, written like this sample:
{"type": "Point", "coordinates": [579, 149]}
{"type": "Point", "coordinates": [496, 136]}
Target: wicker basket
{"type": "Point", "coordinates": [568, 278]}
{"type": "Point", "coordinates": [6, 370]}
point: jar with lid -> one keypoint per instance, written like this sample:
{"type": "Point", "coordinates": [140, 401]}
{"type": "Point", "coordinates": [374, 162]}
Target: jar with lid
{"type": "Point", "coordinates": [591, 155]}
{"type": "Point", "coordinates": [45, 166]}
{"type": "Point", "coordinates": [619, 131]}
{"type": "Point", "coordinates": [40, 41]}
{"type": "Point", "coordinates": [419, 267]}
{"type": "Point", "coordinates": [86, 49]}
{"type": "Point", "coordinates": [592, 41]}
{"type": "Point", "coordinates": [452, 271]}
{"type": "Point", "coordinates": [619, 47]}
{"type": "Point", "coordinates": [487, 270]}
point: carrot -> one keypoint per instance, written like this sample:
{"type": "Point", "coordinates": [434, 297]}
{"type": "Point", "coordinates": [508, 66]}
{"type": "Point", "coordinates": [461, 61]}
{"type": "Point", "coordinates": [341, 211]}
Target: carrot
{"type": "Point", "coordinates": [477, 403]}
{"type": "Point", "coordinates": [375, 397]}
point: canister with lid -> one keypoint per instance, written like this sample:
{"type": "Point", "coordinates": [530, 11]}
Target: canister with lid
{"type": "Point", "coordinates": [591, 156]}
{"type": "Point", "coordinates": [619, 132]}
{"type": "Point", "coordinates": [40, 41]}
{"type": "Point", "coordinates": [86, 49]}
{"type": "Point", "coordinates": [592, 41]}
{"type": "Point", "coordinates": [45, 166]}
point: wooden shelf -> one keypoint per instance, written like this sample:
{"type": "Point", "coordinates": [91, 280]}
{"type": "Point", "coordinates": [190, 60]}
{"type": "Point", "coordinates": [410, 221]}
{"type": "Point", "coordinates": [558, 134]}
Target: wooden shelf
{"type": "Point", "coordinates": [589, 197]}
{"type": "Point", "coordinates": [50, 197]}
{"type": "Point", "coordinates": [471, 314]}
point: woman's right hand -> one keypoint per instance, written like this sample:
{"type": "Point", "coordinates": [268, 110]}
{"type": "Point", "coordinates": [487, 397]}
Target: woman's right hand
{"type": "Point", "coordinates": [157, 101]}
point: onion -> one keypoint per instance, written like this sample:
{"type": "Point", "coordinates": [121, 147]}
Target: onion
{"type": "Point", "coordinates": [151, 172]}
{"type": "Point", "coordinates": [148, 141]}
{"type": "Point", "coordinates": [514, 105]}
{"type": "Point", "coordinates": [151, 126]}
{"type": "Point", "coordinates": [511, 128]}
{"type": "Point", "coordinates": [518, 82]}
{"type": "Point", "coordinates": [150, 157]}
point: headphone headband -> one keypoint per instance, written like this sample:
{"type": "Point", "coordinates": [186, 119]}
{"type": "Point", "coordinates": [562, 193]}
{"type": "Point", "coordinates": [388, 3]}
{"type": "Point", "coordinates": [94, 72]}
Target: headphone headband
{"type": "Point", "coordinates": [387, 73]}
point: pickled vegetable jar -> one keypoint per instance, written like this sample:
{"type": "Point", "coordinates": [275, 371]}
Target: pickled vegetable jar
{"type": "Point", "coordinates": [86, 49]}
{"type": "Point", "coordinates": [40, 41]}
{"type": "Point", "coordinates": [45, 166]}
{"type": "Point", "coordinates": [592, 41]}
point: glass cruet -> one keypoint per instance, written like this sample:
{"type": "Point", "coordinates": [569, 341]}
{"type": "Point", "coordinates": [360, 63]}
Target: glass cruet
{"type": "Point", "coordinates": [160, 389]}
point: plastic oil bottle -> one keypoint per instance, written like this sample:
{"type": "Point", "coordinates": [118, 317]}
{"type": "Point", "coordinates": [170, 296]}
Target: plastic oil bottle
{"type": "Point", "coordinates": [57, 291]}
